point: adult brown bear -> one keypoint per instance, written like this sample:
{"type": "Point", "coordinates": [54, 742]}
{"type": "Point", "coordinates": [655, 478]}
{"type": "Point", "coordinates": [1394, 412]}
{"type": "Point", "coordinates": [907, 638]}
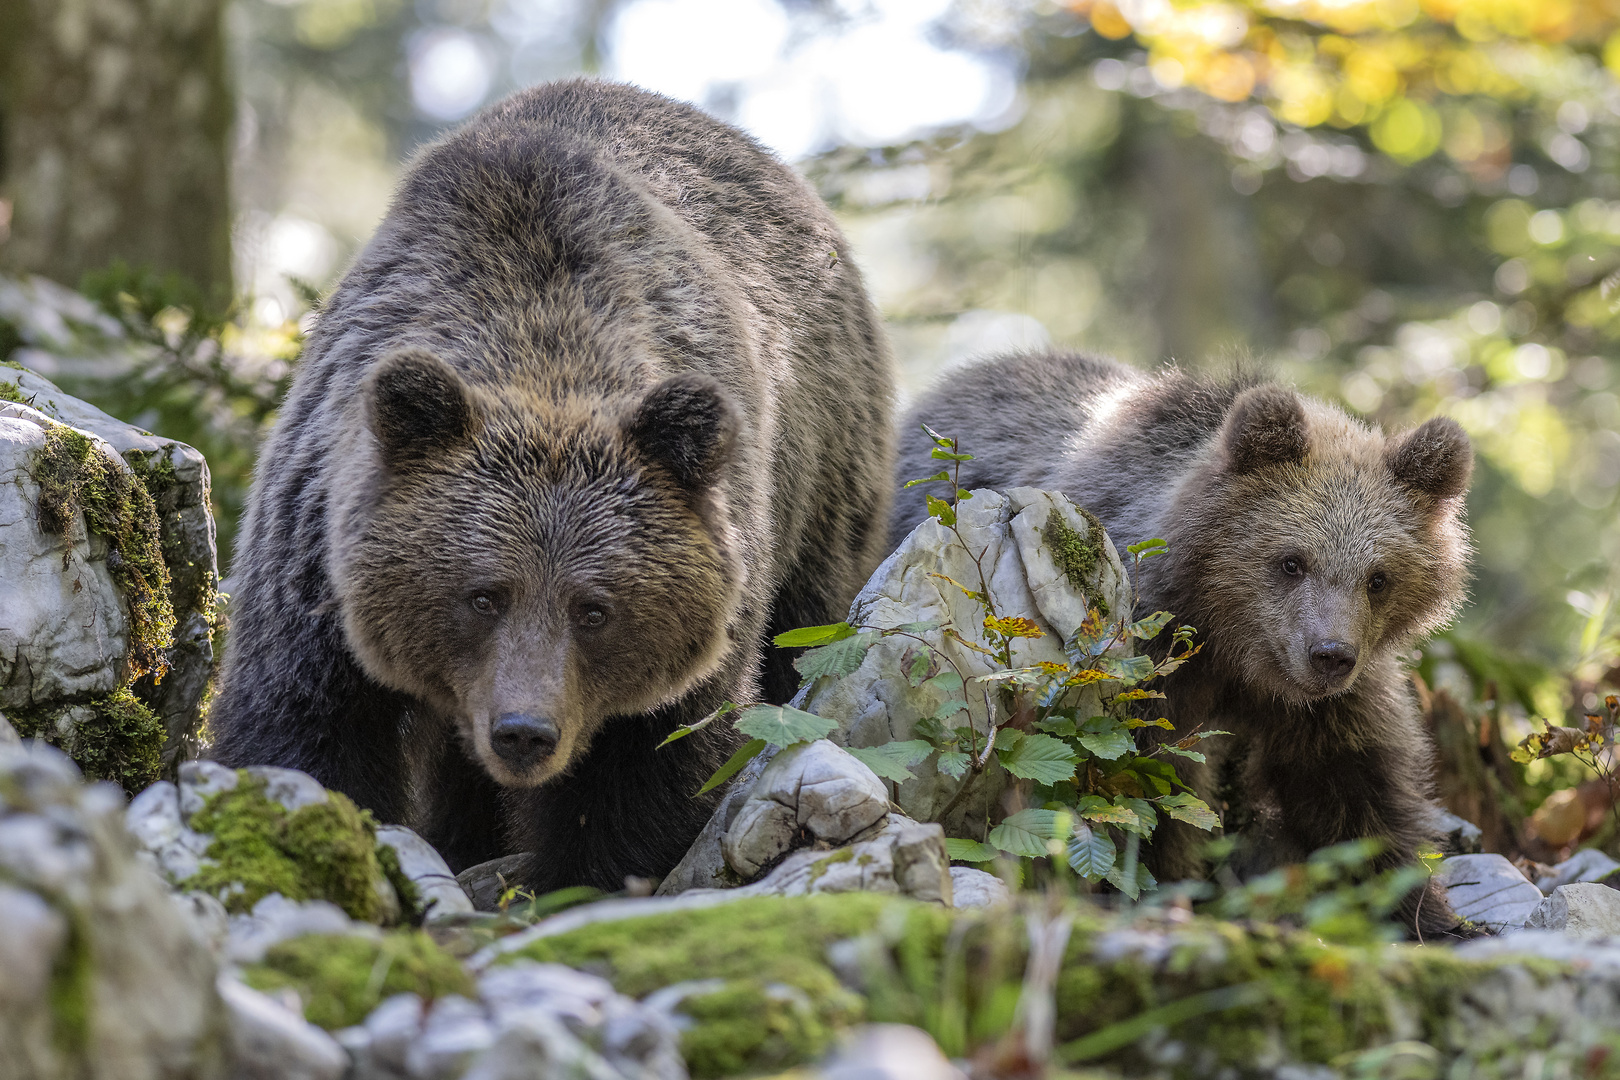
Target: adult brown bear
{"type": "Point", "coordinates": [601, 405]}
{"type": "Point", "coordinates": [1308, 549]}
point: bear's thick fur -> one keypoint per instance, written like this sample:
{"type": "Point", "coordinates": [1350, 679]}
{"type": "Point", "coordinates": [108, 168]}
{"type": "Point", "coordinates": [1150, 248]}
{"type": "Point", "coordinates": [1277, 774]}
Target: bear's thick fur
{"type": "Point", "coordinates": [1308, 549]}
{"type": "Point", "coordinates": [601, 405]}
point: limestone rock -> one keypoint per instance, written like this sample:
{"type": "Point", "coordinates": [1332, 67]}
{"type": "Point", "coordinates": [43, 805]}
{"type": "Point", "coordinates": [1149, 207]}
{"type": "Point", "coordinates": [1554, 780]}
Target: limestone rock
{"type": "Point", "coordinates": [66, 642]}
{"type": "Point", "coordinates": [1588, 865]}
{"type": "Point", "coordinates": [1581, 910]}
{"type": "Point", "coordinates": [1488, 890]}
{"type": "Point", "coordinates": [972, 888]}
{"type": "Point", "coordinates": [1019, 534]}
{"type": "Point", "coordinates": [271, 1042]}
{"type": "Point", "coordinates": [704, 864]}
{"type": "Point", "coordinates": [890, 1052]}
{"type": "Point", "coordinates": [813, 788]}
{"type": "Point", "coordinates": [486, 882]}
{"type": "Point", "coordinates": [101, 976]}
{"type": "Point", "coordinates": [440, 894]}
{"type": "Point", "coordinates": [904, 857]}
{"type": "Point", "coordinates": [1458, 836]}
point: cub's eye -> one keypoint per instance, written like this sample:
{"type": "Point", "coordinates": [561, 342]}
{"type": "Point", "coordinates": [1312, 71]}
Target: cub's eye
{"type": "Point", "coordinates": [1377, 582]}
{"type": "Point", "coordinates": [1292, 566]}
{"type": "Point", "coordinates": [592, 617]}
{"type": "Point", "coordinates": [484, 604]}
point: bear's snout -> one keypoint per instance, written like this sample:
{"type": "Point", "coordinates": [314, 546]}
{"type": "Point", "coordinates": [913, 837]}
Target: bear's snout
{"type": "Point", "coordinates": [1333, 660]}
{"type": "Point", "coordinates": [522, 741]}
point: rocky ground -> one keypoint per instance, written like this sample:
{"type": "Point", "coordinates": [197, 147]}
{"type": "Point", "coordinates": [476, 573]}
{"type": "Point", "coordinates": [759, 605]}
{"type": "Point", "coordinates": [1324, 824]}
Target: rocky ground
{"type": "Point", "coordinates": [252, 924]}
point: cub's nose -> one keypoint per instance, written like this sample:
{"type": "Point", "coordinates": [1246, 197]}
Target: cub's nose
{"type": "Point", "coordinates": [1333, 659]}
{"type": "Point", "coordinates": [521, 740]}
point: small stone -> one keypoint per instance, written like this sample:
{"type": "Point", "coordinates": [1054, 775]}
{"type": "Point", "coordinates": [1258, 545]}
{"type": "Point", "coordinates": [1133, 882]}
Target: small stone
{"type": "Point", "coordinates": [1458, 835]}
{"type": "Point", "coordinates": [972, 888]}
{"type": "Point", "coordinates": [391, 1028]}
{"type": "Point", "coordinates": [486, 882]}
{"type": "Point", "coordinates": [890, 1052]}
{"type": "Point", "coordinates": [269, 1042]}
{"type": "Point", "coordinates": [1580, 910]}
{"type": "Point", "coordinates": [816, 786]}
{"type": "Point", "coordinates": [1488, 890]}
{"type": "Point", "coordinates": [453, 1035]}
{"type": "Point", "coordinates": [199, 780]}
{"type": "Point", "coordinates": [1588, 865]}
{"type": "Point", "coordinates": [922, 868]}
{"type": "Point", "coordinates": [275, 919]}
{"type": "Point", "coordinates": [440, 892]}
{"type": "Point", "coordinates": [31, 933]}
{"type": "Point", "coordinates": [294, 790]}
{"type": "Point", "coordinates": [8, 734]}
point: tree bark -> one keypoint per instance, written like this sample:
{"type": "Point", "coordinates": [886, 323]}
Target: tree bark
{"type": "Point", "coordinates": [113, 138]}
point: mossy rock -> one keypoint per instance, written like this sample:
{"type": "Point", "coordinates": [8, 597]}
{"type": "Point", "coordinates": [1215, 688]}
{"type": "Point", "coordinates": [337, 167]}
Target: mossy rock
{"type": "Point", "coordinates": [1139, 996]}
{"type": "Point", "coordinates": [341, 978]}
{"type": "Point", "coordinates": [326, 850]}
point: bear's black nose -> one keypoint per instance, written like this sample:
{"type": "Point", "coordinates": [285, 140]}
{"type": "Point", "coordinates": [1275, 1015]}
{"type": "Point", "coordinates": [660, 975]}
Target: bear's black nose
{"type": "Point", "coordinates": [521, 740]}
{"type": "Point", "coordinates": [1334, 659]}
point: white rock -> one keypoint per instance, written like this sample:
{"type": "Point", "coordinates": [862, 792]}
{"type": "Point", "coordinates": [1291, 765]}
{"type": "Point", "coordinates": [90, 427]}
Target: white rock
{"type": "Point", "coordinates": [817, 787]}
{"type": "Point", "coordinates": [1488, 890]}
{"type": "Point", "coordinates": [199, 780]}
{"type": "Point", "coordinates": [877, 704]}
{"type": "Point", "coordinates": [8, 734]}
{"type": "Point", "coordinates": [453, 1035]}
{"type": "Point", "coordinates": [1588, 865]}
{"type": "Point", "coordinates": [890, 1052]}
{"type": "Point", "coordinates": [391, 1028]}
{"type": "Point", "coordinates": [275, 919]}
{"type": "Point", "coordinates": [270, 1042]}
{"type": "Point", "coordinates": [31, 935]}
{"type": "Point", "coordinates": [1581, 910]}
{"type": "Point", "coordinates": [294, 790]}
{"type": "Point", "coordinates": [441, 895]}
{"type": "Point", "coordinates": [976, 889]}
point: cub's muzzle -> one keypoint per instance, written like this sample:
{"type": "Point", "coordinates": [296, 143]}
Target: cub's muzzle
{"type": "Point", "coordinates": [522, 741]}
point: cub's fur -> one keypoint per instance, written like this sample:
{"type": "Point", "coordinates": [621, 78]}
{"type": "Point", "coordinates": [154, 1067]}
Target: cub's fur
{"type": "Point", "coordinates": [601, 405]}
{"type": "Point", "coordinates": [1308, 549]}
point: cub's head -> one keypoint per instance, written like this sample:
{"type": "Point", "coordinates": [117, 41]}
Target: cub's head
{"type": "Point", "coordinates": [532, 566]}
{"type": "Point", "coordinates": [1312, 544]}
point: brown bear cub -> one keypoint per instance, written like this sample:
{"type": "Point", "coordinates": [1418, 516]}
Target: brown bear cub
{"type": "Point", "coordinates": [601, 406]}
{"type": "Point", "coordinates": [1308, 549]}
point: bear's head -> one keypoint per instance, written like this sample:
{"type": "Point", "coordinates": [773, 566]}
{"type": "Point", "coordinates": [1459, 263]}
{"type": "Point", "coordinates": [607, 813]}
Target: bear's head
{"type": "Point", "coordinates": [1310, 544]}
{"type": "Point", "coordinates": [533, 564]}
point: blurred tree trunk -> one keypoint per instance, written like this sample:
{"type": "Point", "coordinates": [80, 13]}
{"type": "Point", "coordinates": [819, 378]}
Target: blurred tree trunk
{"type": "Point", "coordinates": [114, 122]}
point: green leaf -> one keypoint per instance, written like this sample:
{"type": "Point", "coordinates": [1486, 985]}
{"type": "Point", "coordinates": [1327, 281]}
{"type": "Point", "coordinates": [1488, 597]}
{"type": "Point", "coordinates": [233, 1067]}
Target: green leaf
{"type": "Point", "coordinates": [914, 627]}
{"type": "Point", "coordinates": [783, 725]}
{"type": "Point", "coordinates": [970, 851]}
{"type": "Point", "coordinates": [686, 729]}
{"type": "Point", "coordinates": [1042, 759]}
{"type": "Point", "coordinates": [1108, 745]}
{"type": "Point", "coordinates": [1148, 548]}
{"type": "Point", "coordinates": [1058, 725]}
{"type": "Point", "coordinates": [748, 752]}
{"type": "Point", "coordinates": [1172, 748]}
{"type": "Point", "coordinates": [893, 761]}
{"type": "Point", "coordinates": [941, 475]}
{"type": "Point", "coordinates": [947, 682]}
{"type": "Point", "coordinates": [953, 762]}
{"type": "Point", "coordinates": [1008, 737]}
{"type": "Point", "coordinates": [1095, 808]}
{"type": "Point", "coordinates": [814, 635]}
{"type": "Point", "coordinates": [1191, 809]}
{"type": "Point", "coordinates": [939, 508]}
{"type": "Point", "coordinates": [1161, 772]}
{"type": "Point", "coordinates": [1127, 668]}
{"type": "Point", "coordinates": [1144, 880]}
{"type": "Point", "coordinates": [920, 667]}
{"type": "Point", "coordinates": [1148, 628]}
{"type": "Point", "coordinates": [838, 659]}
{"type": "Point", "coordinates": [941, 454]}
{"type": "Point", "coordinates": [1026, 832]}
{"type": "Point", "coordinates": [963, 494]}
{"type": "Point", "coordinates": [1091, 852]}
{"type": "Point", "coordinates": [1147, 820]}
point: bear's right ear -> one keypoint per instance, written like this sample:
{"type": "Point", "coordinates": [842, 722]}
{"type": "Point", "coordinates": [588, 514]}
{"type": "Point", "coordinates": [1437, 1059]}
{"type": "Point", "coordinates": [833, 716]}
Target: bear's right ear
{"type": "Point", "coordinates": [417, 405]}
{"type": "Point", "coordinates": [1436, 458]}
{"type": "Point", "coordinates": [689, 424]}
{"type": "Point", "coordinates": [1266, 426]}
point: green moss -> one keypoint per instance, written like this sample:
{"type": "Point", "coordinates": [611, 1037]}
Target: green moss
{"type": "Point", "coordinates": [74, 477]}
{"type": "Point", "coordinates": [9, 392]}
{"type": "Point", "coordinates": [70, 989]}
{"type": "Point", "coordinates": [342, 978]}
{"type": "Point", "coordinates": [748, 1026]}
{"type": "Point", "coordinates": [1078, 556]}
{"type": "Point", "coordinates": [324, 851]}
{"type": "Point", "coordinates": [821, 866]}
{"type": "Point", "coordinates": [410, 899]}
{"type": "Point", "coordinates": [121, 740]}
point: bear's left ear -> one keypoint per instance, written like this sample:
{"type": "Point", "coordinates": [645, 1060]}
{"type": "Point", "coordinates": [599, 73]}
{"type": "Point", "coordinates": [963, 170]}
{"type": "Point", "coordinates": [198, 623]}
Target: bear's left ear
{"type": "Point", "coordinates": [689, 424]}
{"type": "Point", "coordinates": [417, 405]}
{"type": "Point", "coordinates": [1265, 426]}
{"type": "Point", "coordinates": [1436, 459]}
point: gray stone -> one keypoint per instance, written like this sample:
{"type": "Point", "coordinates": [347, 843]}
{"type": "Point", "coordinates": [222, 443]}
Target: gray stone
{"type": "Point", "coordinates": [271, 1042]}
{"type": "Point", "coordinates": [815, 787]}
{"type": "Point", "coordinates": [704, 865]}
{"type": "Point", "coordinates": [1458, 836]}
{"type": "Point", "coordinates": [1581, 910]}
{"type": "Point", "coordinates": [877, 703]}
{"type": "Point", "coordinates": [441, 895]}
{"type": "Point", "coordinates": [890, 1052]}
{"type": "Point", "coordinates": [972, 888]}
{"type": "Point", "coordinates": [1488, 890]}
{"type": "Point", "coordinates": [487, 882]}
{"type": "Point", "coordinates": [8, 734]}
{"type": "Point", "coordinates": [454, 1033]}
{"type": "Point", "coordinates": [73, 893]}
{"type": "Point", "coordinates": [1588, 865]}
{"type": "Point", "coordinates": [275, 919]}
{"type": "Point", "coordinates": [50, 652]}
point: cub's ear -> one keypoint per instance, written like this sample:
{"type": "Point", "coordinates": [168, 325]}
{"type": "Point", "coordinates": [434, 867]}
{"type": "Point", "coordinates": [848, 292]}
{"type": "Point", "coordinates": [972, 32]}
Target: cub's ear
{"type": "Point", "coordinates": [689, 424]}
{"type": "Point", "coordinates": [1436, 459]}
{"type": "Point", "coordinates": [1266, 426]}
{"type": "Point", "coordinates": [417, 405]}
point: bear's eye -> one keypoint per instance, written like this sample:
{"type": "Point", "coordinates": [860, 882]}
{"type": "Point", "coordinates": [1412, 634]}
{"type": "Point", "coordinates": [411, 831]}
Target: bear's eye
{"type": "Point", "coordinates": [1292, 566]}
{"type": "Point", "coordinates": [1377, 582]}
{"type": "Point", "coordinates": [484, 604]}
{"type": "Point", "coordinates": [592, 617]}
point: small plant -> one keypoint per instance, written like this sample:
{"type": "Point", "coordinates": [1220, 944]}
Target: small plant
{"type": "Point", "coordinates": [1095, 785]}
